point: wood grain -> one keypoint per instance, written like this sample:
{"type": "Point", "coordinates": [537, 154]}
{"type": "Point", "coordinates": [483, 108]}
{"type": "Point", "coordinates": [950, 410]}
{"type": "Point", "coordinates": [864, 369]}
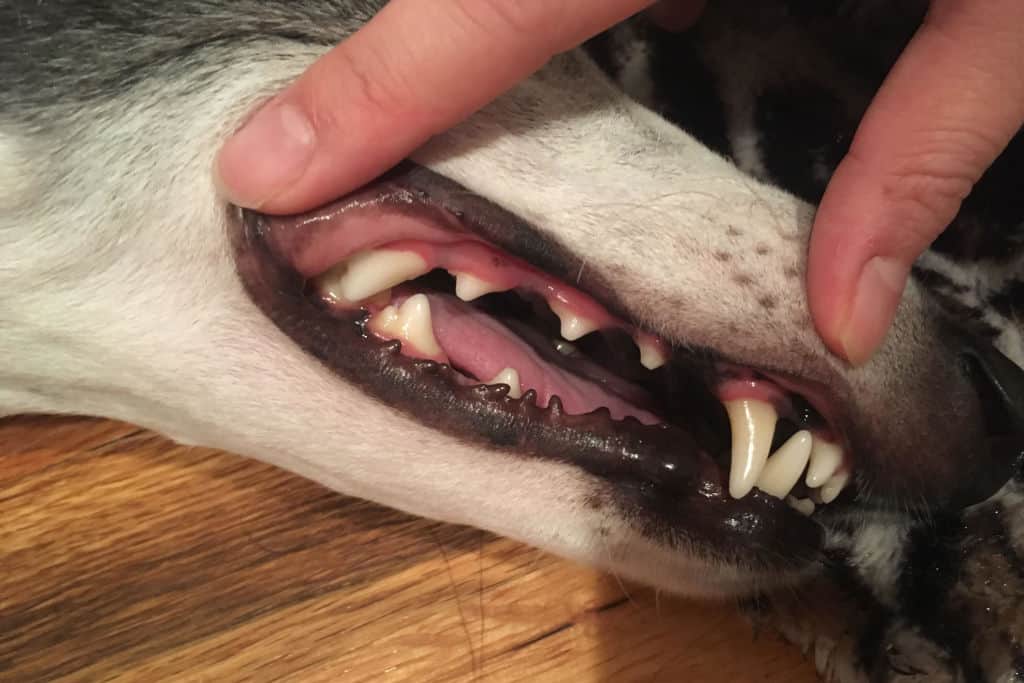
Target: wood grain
{"type": "Point", "coordinates": [124, 556]}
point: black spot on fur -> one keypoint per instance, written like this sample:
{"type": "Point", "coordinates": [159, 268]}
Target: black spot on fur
{"type": "Point", "coordinates": [768, 301]}
{"type": "Point", "coordinates": [722, 256]}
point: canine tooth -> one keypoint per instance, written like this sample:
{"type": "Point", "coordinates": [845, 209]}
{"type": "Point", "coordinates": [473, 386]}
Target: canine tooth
{"type": "Point", "coordinates": [826, 457]}
{"type": "Point", "coordinates": [573, 326]}
{"type": "Point", "coordinates": [509, 376]}
{"type": "Point", "coordinates": [784, 467]}
{"type": "Point", "coordinates": [753, 425]}
{"type": "Point", "coordinates": [804, 506]}
{"type": "Point", "coordinates": [369, 272]}
{"type": "Point", "coordinates": [651, 355]}
{"type": "Point", "coordinates": [834, 486]}
{"type": "Point", "coordinates": [469, 287]}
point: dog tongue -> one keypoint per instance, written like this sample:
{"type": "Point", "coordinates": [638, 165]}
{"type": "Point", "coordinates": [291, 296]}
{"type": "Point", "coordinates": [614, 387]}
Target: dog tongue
{"type": "Point", "coordinates": [479, 345]}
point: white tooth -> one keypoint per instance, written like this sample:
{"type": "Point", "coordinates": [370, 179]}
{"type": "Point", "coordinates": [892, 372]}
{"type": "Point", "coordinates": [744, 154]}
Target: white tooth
{"type": "Point", "coordinates": [509, 376]}
{"type": "Point", "coordinates": [469, 287]}
{"type": "Point", "coordinates": [784, 467]}
{"type": "Point", "coordinates": [383, 322]}
{"type": "Point", "coordinates": [804, 506]}
{"type": "Point", "coordinates": [826, 457]}
{"type": "Point", "coordinates": [369, 272]}
{"type": "Point", "coordinates": [651, 355]}
{"type": "Point", "coordinates": [834, 486]}
{"type": "Point", "coordinates": [415, 325]}
{"type": "Point", "coordinates": [753, 425]}
{"type": "Point", "coordinates": [573, 326]}
{"type": "Point", "coordinates": [410, 323]}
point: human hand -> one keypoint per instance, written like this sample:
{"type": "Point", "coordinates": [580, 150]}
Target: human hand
{"type": "Point", "coordinates": [948, 108]}
{"type": "Point", "coordinates": [417, 68]}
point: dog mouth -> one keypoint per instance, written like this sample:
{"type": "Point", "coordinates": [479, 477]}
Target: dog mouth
{"type": "Point", "coordinates": [448, 308]}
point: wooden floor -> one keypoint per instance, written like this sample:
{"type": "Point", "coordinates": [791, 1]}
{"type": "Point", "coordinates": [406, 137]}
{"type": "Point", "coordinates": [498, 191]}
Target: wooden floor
{"type": "Point", "coordinates": [124, 556]}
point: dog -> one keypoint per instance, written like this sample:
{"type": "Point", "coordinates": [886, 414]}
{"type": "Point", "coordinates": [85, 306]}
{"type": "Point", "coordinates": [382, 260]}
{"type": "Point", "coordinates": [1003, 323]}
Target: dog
{"type": "Point", "coordinates": [649, 289]}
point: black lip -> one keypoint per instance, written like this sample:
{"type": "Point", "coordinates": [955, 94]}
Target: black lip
{"type": "Point", "coordinates": [672, 488]}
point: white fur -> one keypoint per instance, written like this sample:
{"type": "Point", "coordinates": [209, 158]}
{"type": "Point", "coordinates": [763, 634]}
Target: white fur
{"type": "Point", "coordinates": [119, 296]}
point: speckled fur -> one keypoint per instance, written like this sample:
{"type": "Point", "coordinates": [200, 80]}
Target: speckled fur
{"type": "Point", "coordinates": [906, 600]}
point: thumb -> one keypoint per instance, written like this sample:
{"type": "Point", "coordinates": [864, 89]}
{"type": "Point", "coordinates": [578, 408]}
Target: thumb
{"type": "Point", "coordinates": [947, 109]}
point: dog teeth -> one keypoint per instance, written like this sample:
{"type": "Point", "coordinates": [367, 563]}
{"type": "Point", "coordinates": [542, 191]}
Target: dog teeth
{"type": "Point", "coordinates": [469, 287]}
{"type": "Point", "coordinates": [367, 273]}
{"type": "Point", "coordinates": [834, 486]}
{"type": "Point", "coordinates": [652, 356]}
{"type": "Point", "coordinates": [509, 376]}
{"type": "Point", "coordinates": [573, 326]}
{"type": "Point", "coordinates": [783, 469]}
{"type": "Point", "coordinates": [826, 457]}
{"type": "Point", "coordinates": [753, 425]}
{"type": "Point", "coordinates": [410, 323]}
{"type": "Point", "coordinates": [805, 506]}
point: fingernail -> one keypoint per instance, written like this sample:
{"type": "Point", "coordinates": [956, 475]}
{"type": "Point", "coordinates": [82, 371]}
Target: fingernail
{"type": "Point", "coordinates": [875, 300]}
{"type": "Point", "coordinates": [267, 156]}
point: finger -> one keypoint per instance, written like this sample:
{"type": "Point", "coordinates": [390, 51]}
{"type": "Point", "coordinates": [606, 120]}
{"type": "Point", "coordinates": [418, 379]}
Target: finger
{"type": "Point", "coordinates": [948, 108]}
{"type": "Point", "coordinates": [415, 69]}
{"type": "Point", "coordinates": [676, 15]}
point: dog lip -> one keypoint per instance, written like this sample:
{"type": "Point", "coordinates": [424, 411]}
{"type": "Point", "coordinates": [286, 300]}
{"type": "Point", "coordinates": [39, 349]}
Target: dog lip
{"type": "Point", "coordinates": [663, 469]}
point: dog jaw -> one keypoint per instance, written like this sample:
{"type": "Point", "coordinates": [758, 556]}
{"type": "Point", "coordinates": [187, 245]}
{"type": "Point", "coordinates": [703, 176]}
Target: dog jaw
{"type": "Point", "coordinates": [139, 315]}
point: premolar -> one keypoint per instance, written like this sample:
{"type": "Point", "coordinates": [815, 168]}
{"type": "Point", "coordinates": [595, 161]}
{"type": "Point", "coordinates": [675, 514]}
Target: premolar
{"type": "Point", "coordinates": [367, 273]}
{"type": "Point", "coordinates": [509, 376]}
{"type": "Point", "coordinates": [469, 287]}
{"type": "Point", "coordinates": [573, 326]}
{"type": "Point", "coordinates": [753, 426]}
{"type": "Point", "coordinates": [652, 356]}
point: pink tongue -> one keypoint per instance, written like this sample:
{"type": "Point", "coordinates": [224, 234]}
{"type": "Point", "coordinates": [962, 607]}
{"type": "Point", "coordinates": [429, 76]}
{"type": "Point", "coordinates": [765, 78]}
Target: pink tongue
{"type": "Point", "coordinates": [480, 345]}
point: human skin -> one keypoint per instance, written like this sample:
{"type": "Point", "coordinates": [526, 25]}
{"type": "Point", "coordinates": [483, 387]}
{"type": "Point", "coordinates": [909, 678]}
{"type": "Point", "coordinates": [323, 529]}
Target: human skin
{"type": "Point", "coordinates": [947, 109]}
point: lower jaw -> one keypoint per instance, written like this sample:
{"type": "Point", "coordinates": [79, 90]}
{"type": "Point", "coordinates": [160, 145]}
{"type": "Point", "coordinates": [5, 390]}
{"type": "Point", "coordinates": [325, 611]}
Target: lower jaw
{"type": "Point", "coordinates": [672, 488]}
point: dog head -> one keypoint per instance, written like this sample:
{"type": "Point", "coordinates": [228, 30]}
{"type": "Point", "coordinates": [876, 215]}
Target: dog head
{"type": "Point", "coordinates": [136, 293]}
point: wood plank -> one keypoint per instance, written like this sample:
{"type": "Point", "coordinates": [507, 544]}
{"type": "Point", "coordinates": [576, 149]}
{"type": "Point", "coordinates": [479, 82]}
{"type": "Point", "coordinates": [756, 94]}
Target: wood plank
{"type": "Point", "coordinates": [127, 557]}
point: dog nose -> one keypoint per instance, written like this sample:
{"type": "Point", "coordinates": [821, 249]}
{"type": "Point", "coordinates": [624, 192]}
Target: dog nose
{"type": "Point", "coordinates": [999, 383]}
